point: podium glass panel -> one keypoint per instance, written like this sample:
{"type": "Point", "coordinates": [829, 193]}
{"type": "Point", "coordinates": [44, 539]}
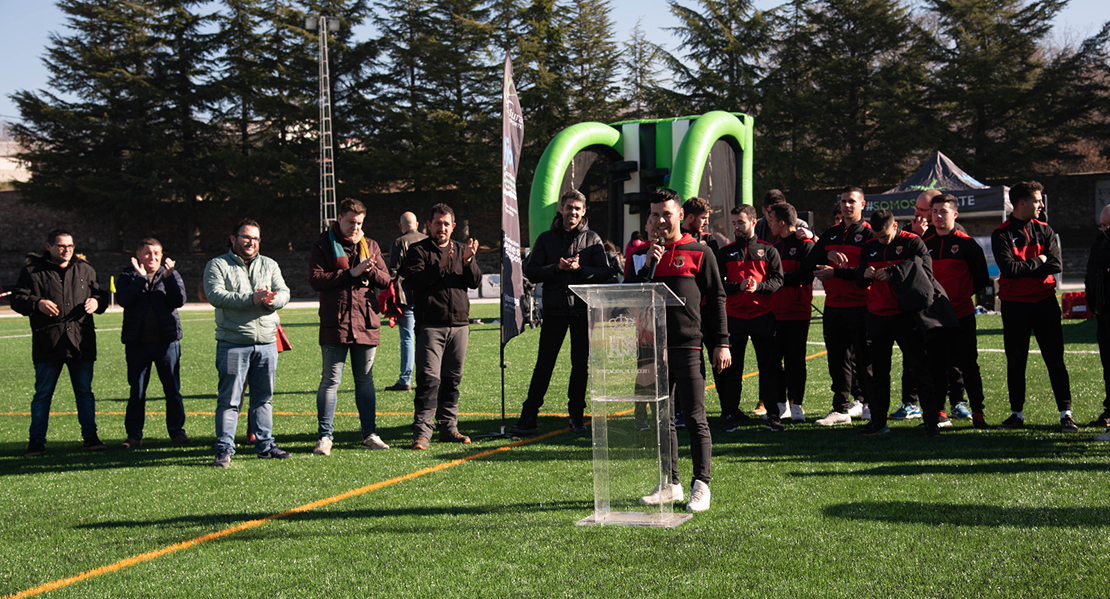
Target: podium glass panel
{"type": "Point", "coordinates": [629, 401]}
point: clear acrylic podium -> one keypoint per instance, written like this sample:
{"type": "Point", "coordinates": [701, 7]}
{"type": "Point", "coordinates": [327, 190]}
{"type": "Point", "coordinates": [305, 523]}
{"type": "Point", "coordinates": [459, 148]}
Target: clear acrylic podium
{"type": "Point", "coordinates": [629, 402]}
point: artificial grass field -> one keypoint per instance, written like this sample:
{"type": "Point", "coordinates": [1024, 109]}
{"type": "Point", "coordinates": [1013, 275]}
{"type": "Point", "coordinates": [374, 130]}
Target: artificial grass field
{"type": "Point", "coordinates": [811, 512]}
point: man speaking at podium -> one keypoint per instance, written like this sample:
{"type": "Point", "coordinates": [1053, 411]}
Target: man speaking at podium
{"type": "Point", "coordinates": [689, 269]}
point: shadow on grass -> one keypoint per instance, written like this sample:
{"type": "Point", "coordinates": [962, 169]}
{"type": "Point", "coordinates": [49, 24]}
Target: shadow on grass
{"type": "Point", "coordinates": [959, 514]}
{"type": "Point", "coordinates": [204, 520]}
{"type": "Point", "coordinates": [905, 451]}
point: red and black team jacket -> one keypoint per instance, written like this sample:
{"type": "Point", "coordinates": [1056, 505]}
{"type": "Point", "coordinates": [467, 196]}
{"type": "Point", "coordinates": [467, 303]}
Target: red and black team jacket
{"type": "Point", "coordinates": [882, 297]}
{"type": "Point", "coordinates": [744, 259]}
{"type": "Point", "coordinates": [841, 291]}
{"type": "Point", "coordinates": [794, 301]}
{"type": "Point", "coordinates": [960, 267]}
{"type": "Point", "coordinates": [1016, 245]}
{"type": "Point", "coordinates": [687, 268]}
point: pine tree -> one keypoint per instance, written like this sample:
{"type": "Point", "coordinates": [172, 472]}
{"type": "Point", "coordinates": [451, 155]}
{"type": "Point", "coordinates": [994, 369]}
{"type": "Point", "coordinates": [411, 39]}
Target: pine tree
{"type": "Point", "coordinates": [594, 62]}
{"type": "Point", "coordinates": [722, 44]}
{"type": "Point", "coordinates": [1010, 110]}
{"type": "Point", "coordinates": [640, 84]}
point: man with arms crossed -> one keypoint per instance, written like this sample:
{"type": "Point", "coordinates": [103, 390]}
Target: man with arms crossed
{"type": "Point", "coordinates": [346, 269]}
{"type": "Point", "coordinates": [1028, 258]}
{"type": "Point", "coordinates": [687, 267]}
{"type": "Point", "coordinates": [440, 271]}
{"type": "Point", "coordinates": [247, 290]}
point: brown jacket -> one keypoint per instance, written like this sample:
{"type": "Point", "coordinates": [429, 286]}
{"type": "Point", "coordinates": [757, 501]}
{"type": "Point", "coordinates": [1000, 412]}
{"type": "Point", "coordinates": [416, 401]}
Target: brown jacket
{"type": "Point", "coordinates": [348, 305]}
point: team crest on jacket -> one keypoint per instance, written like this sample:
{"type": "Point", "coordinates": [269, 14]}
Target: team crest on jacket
{"type": "Point", "coordinates": [859, 236]}
{"type": "Point", "coordinates": [898, 250]}
{"type": "Point", "coordinates": [759, 253]}
{"type": "Point", "coordinates": [793, 251]}
{"type": "Point", "coordinates": [955, 249]}
{"type": "Point", "coordinates": [679, 261]}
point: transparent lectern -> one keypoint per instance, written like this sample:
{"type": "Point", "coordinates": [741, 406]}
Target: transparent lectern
{"type": "Point", "coordinates": [629, 401]}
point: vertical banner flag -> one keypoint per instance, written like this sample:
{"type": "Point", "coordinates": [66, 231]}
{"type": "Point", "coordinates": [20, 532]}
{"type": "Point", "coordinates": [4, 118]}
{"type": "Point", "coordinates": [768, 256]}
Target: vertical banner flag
{"type": "Point", "coordinates": [512, 271]}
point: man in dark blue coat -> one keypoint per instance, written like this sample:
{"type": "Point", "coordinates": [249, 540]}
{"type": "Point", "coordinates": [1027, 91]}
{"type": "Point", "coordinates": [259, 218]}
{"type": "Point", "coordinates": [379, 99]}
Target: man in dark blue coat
{"type": "Point", "coordinates": [150, 292]}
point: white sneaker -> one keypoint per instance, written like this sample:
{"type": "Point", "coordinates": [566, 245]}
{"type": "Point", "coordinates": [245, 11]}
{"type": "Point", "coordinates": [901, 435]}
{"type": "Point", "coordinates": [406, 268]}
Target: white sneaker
{"type": "Point", "coordinates": [663, 493]}
{"type": "Point", "coordinates": [797, 414]}
{"type": "Point", "coordinates": [834, 418]}
{"type": "Point", "coordinates": [699, 497]}
{"type": "Point", "coordinates": [784, 409]}
{"type": "Point", "coordinates": [855, 409]}
{"type": "Point", "coordinates": [866, 413]}
{"type": "Point", "coordinates": [323, 446]}
{"type": "Point", "coordinates": [1104, 436]}
{"type": "Point", "coordinates": [373, 441]}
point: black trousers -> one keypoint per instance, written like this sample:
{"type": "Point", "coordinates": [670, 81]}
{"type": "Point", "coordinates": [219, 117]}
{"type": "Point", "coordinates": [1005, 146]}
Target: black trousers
{"type": "Point", "coordinates": [1103, 336]}
{"type": "Point", "coordinates": [845, 331]}
{"type": "Point", "coordinates": [1019, 320]}
{"type": "Point", "coordinates": [883, 332]}
{"type": "Point", "coordinates": [959, 355]}
{"type": "Point", "coordinates": [685, 368]}
{"type": "Point", "coordinates": [440, 354]}
{"type": "Point", "coordinates": [791, 337]}
{"type": "Point", "coordinates": [730, 383]}
{"type": "Point", "coordinates": [552, 333]}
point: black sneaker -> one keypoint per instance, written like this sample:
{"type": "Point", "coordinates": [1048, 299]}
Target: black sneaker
{"type": "Point", "coordinates": [1067, 425]}
{"type": "Point", "coordinates": [527, 425]}
{"type": "Point", "coordinates": [1103, 421]}
{"type": "Point", "coordinates": [872, 429]}
{"type": "Point", "coordinates": [775, 425]}
{"type": "Point", "coordinates": [35, 449]}
{"type": "Point", "coordinates": [1012, 422]}
{"type": "Point", "coordinates": [679, 421]}
{"type": "Point", "coordinates": [577, 427]}
{"type": "Point", "coordinates": [273, 453]}
{"type": "Point", "coordinates": [732, 423]}
{"type": "Point", "coordinates": [932, 431]}
{"type": "Point", "coordinates": [93, 443]}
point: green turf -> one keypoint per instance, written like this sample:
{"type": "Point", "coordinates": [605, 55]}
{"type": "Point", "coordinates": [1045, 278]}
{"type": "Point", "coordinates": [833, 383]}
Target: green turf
{"type": "Point", "coordinates": [812, 512]}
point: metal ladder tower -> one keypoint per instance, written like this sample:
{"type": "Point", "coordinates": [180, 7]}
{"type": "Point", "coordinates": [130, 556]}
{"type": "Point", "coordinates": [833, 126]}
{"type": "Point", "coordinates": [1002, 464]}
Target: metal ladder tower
{"type": "Point", "coordinates": [327, 161]}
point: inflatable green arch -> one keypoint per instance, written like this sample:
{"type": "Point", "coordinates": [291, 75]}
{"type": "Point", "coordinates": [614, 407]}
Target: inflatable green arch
{"type": "Point", "coordinates": [651, 146]}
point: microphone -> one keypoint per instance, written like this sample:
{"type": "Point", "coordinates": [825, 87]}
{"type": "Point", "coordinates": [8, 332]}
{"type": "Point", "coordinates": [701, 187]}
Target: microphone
{"type": "Point", "coordinates": [655, 263]}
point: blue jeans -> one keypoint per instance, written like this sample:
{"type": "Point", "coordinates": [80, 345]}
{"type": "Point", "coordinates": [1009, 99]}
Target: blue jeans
{"type": "Point", "coordinates": [166, 358]}
{"type": "Point", "coordinates": [46, 379]}
{"type": "Point", "coordinates": [362, 363]}
{"type": "Point", "coordinates": [237, 366]}
{"type": "Point", "coordinates": [407, 330]}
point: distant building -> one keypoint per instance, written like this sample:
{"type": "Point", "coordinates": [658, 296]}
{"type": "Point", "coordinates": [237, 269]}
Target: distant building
{"type": "Point", "coordinates": [10, 169]}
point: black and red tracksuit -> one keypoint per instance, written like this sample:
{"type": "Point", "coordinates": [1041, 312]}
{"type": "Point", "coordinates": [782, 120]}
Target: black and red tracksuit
{"type": "Point", "coordinates": [792, 306]}
{"type": "Point", "coordinates": [960, 267]}
{"type": "Point", "coordinates": [689, 269]}
{"type": "Point", "coordinates": [1027, 288]}
{"type": "Point", "coordinates": [749, 316]}
{"type": "Point", "coordinates": [844, 324]}
{"type": "Point", "coordinates": [887, 324]}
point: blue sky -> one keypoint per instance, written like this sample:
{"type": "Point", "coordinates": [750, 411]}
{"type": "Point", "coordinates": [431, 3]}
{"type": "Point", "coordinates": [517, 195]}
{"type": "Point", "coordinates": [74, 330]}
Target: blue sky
{"type": "Point", "coordinates": [28, 24]}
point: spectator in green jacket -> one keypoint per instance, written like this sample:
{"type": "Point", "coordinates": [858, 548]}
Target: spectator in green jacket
{"type": "Point", "coordinates": [247, 291]}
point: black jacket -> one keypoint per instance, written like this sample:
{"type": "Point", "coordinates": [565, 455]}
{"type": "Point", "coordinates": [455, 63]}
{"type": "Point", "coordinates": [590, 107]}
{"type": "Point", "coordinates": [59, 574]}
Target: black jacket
{"type": "Point", "coordinates": [439, 295]}
{"type": "Point", "coordinates": [163, 294]}
{"type": "Point", "coordinates": [921, 294]}
{"type": "Point", "coordinates": [71, 334]}
{"type": "Point", "coordinates": [543, 265]}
